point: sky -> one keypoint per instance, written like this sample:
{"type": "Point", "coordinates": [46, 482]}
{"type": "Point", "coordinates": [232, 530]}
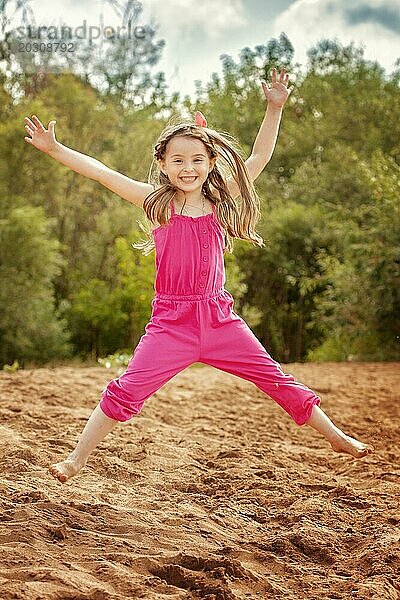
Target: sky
{"type": "Point", "coordinates": [198, 32]}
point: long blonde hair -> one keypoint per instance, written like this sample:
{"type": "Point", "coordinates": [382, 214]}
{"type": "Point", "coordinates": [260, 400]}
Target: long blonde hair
{"type": "Point", "coordinates": [238, 220]}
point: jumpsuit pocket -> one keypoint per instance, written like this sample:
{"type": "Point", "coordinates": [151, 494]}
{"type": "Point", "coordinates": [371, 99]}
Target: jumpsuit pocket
{"type": "Point", "coordinates": [229, 301]}
{"type": "Point", "coordinates": [167, 311]}
{"type": "Point", "coordinates": [224, 312]}
{"type": "Point", "coordinates": [161, 308]}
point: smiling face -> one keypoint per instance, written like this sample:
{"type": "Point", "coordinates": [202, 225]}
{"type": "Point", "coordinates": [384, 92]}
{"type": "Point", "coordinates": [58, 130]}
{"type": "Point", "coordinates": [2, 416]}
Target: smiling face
{"type": "Point", "coordinates": [186, 162]}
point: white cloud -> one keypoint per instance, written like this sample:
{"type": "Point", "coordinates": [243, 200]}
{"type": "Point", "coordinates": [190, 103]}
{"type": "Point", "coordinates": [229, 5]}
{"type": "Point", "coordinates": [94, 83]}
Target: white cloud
{"type": "Point", "coordinates": [307, 21]}
{"type": "Point", "coordinates": [178, 17]}
{"type": "Point", "coordinates": [196, 33]}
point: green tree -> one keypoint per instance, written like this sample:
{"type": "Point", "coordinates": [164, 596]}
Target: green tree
{"type": "Point", "coordinates": [107, 316]}
{"type": "Point", "coordinates": [30, 328]}
{"type": "Point", "coordinates": [325, 286]}
{"type": "Point", "coordinates": [361, 309]}
{"type": "Point", "coordinates": [285, 278]}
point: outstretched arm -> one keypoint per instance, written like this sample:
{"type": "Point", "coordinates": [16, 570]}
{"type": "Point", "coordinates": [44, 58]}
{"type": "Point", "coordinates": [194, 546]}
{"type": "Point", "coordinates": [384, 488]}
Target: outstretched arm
{"type": "Point", "coordinates": [267, 135]}
{"type": "Point", "coordinates": [44, 140]}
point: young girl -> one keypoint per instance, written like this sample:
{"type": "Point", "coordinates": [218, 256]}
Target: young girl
{"type": "Point", "coordinates": [194, 216]}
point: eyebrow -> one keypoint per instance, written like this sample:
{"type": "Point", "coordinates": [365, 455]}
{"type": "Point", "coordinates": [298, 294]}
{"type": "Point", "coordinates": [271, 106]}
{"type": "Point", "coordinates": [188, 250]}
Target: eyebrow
{"type": "Point", "coordinates": [197, 154]}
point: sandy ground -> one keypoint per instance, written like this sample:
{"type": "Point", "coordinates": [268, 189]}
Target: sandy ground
{"type": "Point", "coordinates": [211, 492]}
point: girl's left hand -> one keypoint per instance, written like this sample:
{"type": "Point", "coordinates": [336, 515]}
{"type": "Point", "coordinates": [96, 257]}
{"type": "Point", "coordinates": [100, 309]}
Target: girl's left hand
{"type": "Point", "coordinates": [279, 92]}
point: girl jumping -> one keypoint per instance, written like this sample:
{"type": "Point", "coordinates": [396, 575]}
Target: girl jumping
{"type": "Point", "coordinates": [194, 216]}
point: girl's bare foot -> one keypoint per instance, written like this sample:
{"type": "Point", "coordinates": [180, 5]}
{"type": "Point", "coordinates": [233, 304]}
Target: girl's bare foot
{"type": "Point", "coordinates": [339, 441]}
{"type": "Point", "coordinates": [347, 444]}
{"type": "Point", "coordinates": [66, 469]}
{"type": "Point", "coordinates": [95, 430]}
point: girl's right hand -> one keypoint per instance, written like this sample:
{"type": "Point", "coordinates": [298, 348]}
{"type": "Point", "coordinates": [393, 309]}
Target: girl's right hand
{"type": "Point", "coordinates": [43, 139]}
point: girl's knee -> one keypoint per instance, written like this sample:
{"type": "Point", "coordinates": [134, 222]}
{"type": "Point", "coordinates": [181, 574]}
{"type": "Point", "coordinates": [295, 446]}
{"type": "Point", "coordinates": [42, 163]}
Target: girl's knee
{"type": "Point", "coordinates": [117, 404]}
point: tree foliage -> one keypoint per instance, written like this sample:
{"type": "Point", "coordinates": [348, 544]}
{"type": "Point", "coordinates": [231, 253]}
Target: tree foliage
{"type": "Point", "coordinates": [30, 327]}
{"type": "Point", "coordinates": [325, 286]}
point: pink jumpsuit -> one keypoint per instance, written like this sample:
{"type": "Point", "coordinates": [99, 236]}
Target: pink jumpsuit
{"type": "Point", "coordinates": [193, 320]}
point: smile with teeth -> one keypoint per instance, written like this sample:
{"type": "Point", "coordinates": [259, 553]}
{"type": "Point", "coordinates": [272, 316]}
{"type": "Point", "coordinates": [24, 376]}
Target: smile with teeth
{"type": "Point", "coordinates": [188, 179]}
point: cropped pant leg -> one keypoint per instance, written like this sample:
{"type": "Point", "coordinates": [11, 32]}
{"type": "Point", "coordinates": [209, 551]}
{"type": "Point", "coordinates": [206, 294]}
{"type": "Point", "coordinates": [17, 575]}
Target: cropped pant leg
{"type": "Point", "coordinates": [228, 344]}
{"type": "Point", "coordinates": [169, 345]}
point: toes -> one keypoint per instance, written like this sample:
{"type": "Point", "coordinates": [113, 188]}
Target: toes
{"type": "Point", "coordinates": [353, 448]}
{"type": "Point", "coordinates": [61, 476]}
{"type": "Point", "coordinates": [364, 451]}
{"type": "Point", "coordinates": [58, 474]}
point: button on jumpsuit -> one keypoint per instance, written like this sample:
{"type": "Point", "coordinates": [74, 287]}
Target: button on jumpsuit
{"type": "Point", "coordinates": [193, 320]}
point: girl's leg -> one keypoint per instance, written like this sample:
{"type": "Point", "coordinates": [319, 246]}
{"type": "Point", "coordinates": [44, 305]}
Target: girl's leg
{"type": "Point", "coordinates": [230, 345]}
{"type": "Point", "coordinates": [339, 441]}
{"type": "Point", "coordinates": [96, 429]}
{"type": "Point", "coordinates": [159, 356]}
